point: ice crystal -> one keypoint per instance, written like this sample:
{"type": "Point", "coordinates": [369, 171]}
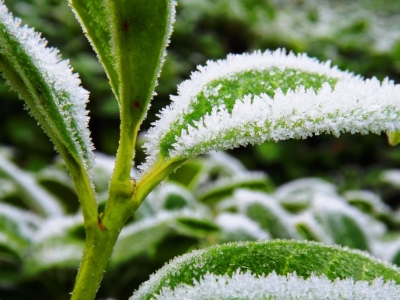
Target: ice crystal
{"type": "Point", "coordinates": [251, 98]}
{"type": "Point", "coordinates": [248, 286]}
{"type": "Point", "coordinates": [64, 86]}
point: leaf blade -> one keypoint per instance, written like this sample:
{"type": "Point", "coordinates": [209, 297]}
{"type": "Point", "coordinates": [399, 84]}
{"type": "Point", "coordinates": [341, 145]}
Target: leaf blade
{"type": "Point", "coordinates": [252, 98]}
{"type": "Point", "coordinates": [262, 258]}
{"type": "Point", "coordinates": [50, 89]}
{"type": "Point", "coordinates": [95, 22]}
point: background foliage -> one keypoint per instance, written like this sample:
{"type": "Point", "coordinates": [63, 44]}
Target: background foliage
{"type": "Point", "coordinates": [362, 36]}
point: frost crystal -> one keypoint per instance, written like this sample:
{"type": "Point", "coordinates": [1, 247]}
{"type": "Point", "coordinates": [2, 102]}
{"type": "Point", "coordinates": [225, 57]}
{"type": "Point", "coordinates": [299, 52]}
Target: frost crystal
{"type": "Point", "coordinates": [235, 102]}
{"type": "Point", "coordinates": [248, 286]}
{"type": "Point", "coordinates": [64, 86]}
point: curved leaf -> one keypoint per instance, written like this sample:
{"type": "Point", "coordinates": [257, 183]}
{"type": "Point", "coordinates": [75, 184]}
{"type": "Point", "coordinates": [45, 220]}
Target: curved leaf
{"type": "Point", "coordinates": [307, 259]}
{"type": "Point", "coordinates": [244, 285]}
{"type": "Point", "coordinates": [251, 98]}
{"type": "Point", "coordinates": [54, 97]}
{"type": "Point", "coordinates": [52, 92]}
{"type": "Point", "coordinates": [37, 197]}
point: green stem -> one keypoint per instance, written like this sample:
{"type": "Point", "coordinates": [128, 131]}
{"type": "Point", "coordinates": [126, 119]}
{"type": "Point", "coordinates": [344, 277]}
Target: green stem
{"type": "Point", "coordinates": [100, 241]}
{"type": "Point", "coordinates": [85, 192]}
{"type": "Point", "coordinates": [154, 177]}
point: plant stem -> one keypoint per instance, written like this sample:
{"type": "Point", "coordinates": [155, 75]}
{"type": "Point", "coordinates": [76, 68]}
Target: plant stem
{"type": "Point", "coordinates": [99, 245]}
{"type": "Point", "coordinates": [85, 192]}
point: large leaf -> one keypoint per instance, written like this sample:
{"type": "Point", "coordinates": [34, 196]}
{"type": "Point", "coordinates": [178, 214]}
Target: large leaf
{"type": "Point", "coordinates": [251, 98]}
{"type": "Point", "coordinates": [306, 259]}
{"type": "Point", "coordinates": [52, 92]}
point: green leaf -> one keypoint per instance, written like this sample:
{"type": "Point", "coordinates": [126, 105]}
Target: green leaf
{"type": "Point", "coordinates": [266, 211]}
{"type": "Point", "coordinates": [153, 230]}
{"type": "Point", "coordinates": [57, 243]}
{"type": "Point", "coordinates": [225, 187]}
{"type": "Point", "coordinates": [262, 258]}
{"type": "Point", "coordinates": [54, 97]}
{"type": "Point", "coordinates": [95, 20]}
{"type": "Point", "coordinates": [394, 138]}
{"type": "Point", "coordinates": [346, 225]}
{"type": "Point", "coordinates": [130, 47]}
{"type": "Point", "coordinates": [48, 86]}
{"type": "Point", "coordinates": [252, 98]}
{"type": "Point", "coordinates": [35, 196]}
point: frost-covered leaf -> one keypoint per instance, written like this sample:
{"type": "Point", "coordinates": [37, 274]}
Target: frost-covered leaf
{"type": "Point", "coordinates": [17, 228]}
{"type": "Point", "coordinates": [368, 202]}
{"type": "Point", "coordinates": [264, 210]}
{"type": "Point", "coordinates": [52, 92]}
{"type": "Point", "coordinates": [251, 98]}
{"type": "Point", "coordinates": [262, 258]}
{"type": "Point", "coordinates": [246, 286]}
{"type": "Point", "coordinates": [238, 227]}
{"type": "Point", "coordinates": [56, 243]}
{"type": "Point", "coordinates": [60, 253]}
{"type": "Point", "coordinates": [345, 224]}
{"type": "Point", "coordinates": [35, 196]}
{"type": "Point", "coordinates": [153, 230]}
{"type": "Point", "coordinates": [298, 194]}
{"type": "Point", "coordinates": [225, 187]}
{"type": "Point", "coordinates": [171, 196]}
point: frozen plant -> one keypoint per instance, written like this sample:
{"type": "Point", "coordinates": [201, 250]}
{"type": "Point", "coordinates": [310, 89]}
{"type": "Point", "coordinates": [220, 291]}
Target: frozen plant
{"type": "Point", "coordinates": [245, 99]}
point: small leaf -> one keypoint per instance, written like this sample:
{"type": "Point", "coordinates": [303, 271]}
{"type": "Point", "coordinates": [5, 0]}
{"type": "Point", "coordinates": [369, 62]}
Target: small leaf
{"type": "Point", "coordinates": [225, 187]}
{"type": "Point", "coordinates": [252, 98]}
{"type": "Point", "coordinates": [151, 231]}
{"type": "Point", "coordinates": [266, 211]}
{"type": "Point", "coordinates": [35, 196]}
{"type": "Point", "coordinates": [307, 259]}
{"type": "Point", "coordinates": [346, 225]}
{"type": "Point", "coordinates": [394, 138]}
{"type": "Point", "coordinates": [51, 91]}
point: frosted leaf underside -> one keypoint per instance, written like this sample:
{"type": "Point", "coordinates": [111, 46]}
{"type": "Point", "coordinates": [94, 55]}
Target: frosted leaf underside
{"type": "Point", "coordinates": [251, 98]}
{"type": "Point", "coordinates": [244, 285]}
{"type": "Point", "coordinates": [52, 92]}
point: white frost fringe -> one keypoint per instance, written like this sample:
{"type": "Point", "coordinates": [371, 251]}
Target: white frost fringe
{"type": "Point", "coordinates": [64, 81]}
{"type": "Point", "coordinates": [354, 105]}
{"type": "Point", "coordinates": [248, 286]}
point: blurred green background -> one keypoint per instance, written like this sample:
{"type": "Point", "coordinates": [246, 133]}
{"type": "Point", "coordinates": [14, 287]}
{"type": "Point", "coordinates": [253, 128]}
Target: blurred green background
{"type": "Point", "coordinates": [361, 36]}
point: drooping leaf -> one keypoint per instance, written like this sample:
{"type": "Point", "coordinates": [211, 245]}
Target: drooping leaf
{"type": "Point", "coordinates": [246, 286]}
{"type": "Point", "coordinates": [51, 91]}
{"type": "Point", "coordinates": [283, 258]}
{"type": "Point", "coordinates": [251, 98]}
